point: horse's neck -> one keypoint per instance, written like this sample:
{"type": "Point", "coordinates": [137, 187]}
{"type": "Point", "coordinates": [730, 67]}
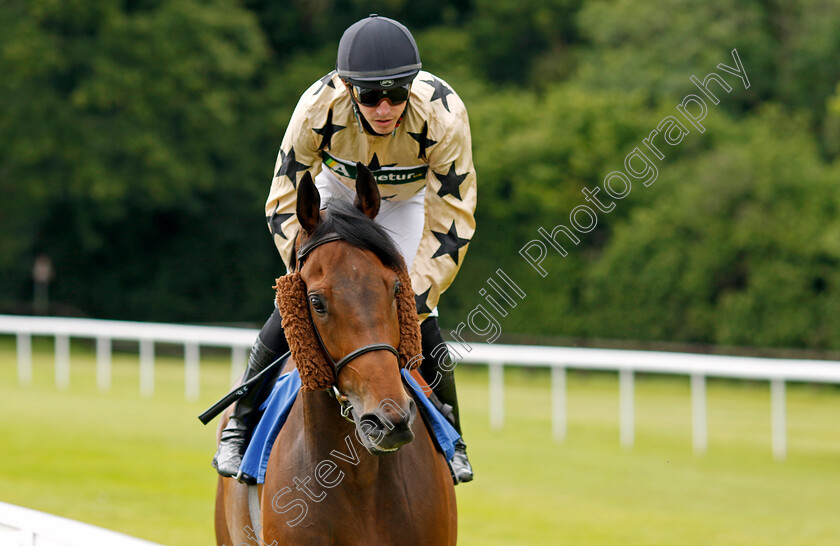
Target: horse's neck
{"type": "Point", "coordinates": [322, 419]}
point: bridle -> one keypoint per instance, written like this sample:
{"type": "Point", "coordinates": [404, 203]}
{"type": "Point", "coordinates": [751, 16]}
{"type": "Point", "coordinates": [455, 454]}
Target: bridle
{"type": "Point", "coordinates": [343, 401]}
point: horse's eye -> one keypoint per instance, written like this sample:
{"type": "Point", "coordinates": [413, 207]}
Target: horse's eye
{"type": "Point", "coordinates": [317, 304]}
{"type": "Point", "coordinates": [397, 287]}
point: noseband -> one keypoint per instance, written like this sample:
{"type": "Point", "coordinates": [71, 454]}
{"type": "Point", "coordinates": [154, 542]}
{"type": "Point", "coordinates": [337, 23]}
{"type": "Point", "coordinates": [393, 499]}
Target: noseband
{"type": "Point", "coordinates": [302, 253]}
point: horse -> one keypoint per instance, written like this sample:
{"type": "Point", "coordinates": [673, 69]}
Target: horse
{"type": "Point", "coordinates": [346, 308]}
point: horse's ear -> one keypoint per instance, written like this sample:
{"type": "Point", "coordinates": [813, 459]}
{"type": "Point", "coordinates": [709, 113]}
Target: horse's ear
{"type": "Point", "coordinates": [308, 204]}
{"type": "Point", "coordinates": [367, 192]}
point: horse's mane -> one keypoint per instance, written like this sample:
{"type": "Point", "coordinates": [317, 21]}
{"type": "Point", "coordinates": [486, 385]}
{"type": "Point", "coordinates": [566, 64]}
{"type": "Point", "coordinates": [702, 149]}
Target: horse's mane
{"type": "Point", "coordinates": [357, 229]}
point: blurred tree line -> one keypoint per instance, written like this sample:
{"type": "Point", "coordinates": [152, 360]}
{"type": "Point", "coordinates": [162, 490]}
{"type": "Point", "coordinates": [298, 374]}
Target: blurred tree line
{"type": "Point", "coordinates": [137, 142]}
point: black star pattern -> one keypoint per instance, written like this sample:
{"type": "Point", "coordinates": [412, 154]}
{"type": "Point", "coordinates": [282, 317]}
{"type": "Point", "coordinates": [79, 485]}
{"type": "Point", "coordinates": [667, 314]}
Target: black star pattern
{"type": "Point", "coordinates": [289, 167]}
{"type": "Point", "coordinates": [327, 131]}
{"type": "Point", "coordinates": [450, 183]}
{"type": "Point", "coordinates": [275, 222]}
{"type": "Point", "coordinates": [450, 243]}
{"type": "Point", "coordinates": [326, 81]}
{"type": "Point", "coordinates": [441, 92]}
{"type": "Point", "coordinates": [388, 197]}
{"type": "Point", "coordinates": [422, 140]}
{"type": "Point", "coordinates": [420, 302]}
{"type": "Point", "coordinates": [374, 164]}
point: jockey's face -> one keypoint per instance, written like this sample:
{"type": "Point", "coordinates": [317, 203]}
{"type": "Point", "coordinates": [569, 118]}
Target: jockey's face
{"type": "Point", "coordinates": [384, 116]}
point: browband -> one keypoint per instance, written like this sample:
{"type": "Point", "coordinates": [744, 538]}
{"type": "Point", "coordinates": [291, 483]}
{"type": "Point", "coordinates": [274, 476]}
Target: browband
{"type": "Point", "coordinates": [312, 244]}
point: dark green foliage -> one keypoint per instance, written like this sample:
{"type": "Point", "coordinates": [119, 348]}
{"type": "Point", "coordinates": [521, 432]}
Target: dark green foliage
{"type": "Point", "coordinates": [739, 246]}
{"type": "Point", "coordinates": [117, 123]}
{"type": "Point", "coordinates": [137, 141]}
{"type": "Point", "coordinates": [515, 38]}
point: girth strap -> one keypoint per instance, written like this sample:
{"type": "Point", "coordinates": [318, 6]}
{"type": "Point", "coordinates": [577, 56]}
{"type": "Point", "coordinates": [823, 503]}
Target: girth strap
{"type": "Point", "coordinates": [254, 511]}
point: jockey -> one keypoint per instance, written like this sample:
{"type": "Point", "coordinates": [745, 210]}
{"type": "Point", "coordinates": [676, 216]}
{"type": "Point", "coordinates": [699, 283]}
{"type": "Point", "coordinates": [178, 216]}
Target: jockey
{"type": "Point", "coordinates": [412, 131]}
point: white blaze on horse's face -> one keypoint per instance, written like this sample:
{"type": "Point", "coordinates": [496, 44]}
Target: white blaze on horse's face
{"type": "Point", "coordinates": [359, 295]}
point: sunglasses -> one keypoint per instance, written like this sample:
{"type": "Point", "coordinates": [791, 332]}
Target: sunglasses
{"type": "Point", "coordinates": [371, 97]}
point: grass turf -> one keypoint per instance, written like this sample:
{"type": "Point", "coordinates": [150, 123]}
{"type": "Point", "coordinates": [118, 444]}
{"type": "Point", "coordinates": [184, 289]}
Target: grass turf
{"type": "Point", "coordinates": [141, 465]}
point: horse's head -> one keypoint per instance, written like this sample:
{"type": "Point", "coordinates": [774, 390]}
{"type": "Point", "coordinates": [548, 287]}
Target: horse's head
{"type": "Point", "coordinates": [350, 300]}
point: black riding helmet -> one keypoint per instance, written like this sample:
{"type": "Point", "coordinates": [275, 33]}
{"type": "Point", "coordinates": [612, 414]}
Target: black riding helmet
{"type": "Point", "coordinates": [378, 53]}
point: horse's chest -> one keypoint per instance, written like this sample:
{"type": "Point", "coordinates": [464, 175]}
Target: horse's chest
{"type": "Point", "coordinates": [345, 520]}
{"type": "Point", "coordinates": [359, 509]}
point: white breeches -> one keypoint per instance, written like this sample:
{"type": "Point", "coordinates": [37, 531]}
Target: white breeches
{"type": "Point", "coordinates": [403, 220]}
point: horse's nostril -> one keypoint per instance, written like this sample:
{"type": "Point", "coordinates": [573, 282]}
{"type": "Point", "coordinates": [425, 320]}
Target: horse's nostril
{"type": "Point", "coordinates": [371, 423]}
{"type": "Point", "coordinates": [404, 420]}
{"type": "Point", "coordinates": [387, 430]}
{"type": "Point", "coordinates": [399, 421]}
{"type": "Point", "coordinates": [388, 420]}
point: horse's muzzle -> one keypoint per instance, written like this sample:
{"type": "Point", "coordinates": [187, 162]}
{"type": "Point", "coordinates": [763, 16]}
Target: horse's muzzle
{"type": "Point", "coordinates": [387, 428]}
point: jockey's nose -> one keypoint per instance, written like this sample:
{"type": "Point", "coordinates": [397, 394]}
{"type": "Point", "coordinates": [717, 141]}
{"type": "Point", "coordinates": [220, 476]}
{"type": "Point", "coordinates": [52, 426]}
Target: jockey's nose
{"type": "Point", "coordinates": [383, 108]}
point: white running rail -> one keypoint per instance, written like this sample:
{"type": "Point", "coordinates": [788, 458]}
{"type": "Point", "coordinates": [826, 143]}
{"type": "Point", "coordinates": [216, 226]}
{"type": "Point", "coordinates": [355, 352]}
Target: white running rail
{"type": "Point", "coordinates": [627, 363]}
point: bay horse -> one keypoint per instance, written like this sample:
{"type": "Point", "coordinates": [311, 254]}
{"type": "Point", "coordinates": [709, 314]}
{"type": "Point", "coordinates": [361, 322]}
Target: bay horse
{"type": "Point", "coordinates": [346, 307]}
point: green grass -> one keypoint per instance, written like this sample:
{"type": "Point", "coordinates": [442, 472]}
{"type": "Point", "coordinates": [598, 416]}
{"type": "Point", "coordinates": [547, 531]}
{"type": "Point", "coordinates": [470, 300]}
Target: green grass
{"type": "Point", "coordinates": [141, 465]}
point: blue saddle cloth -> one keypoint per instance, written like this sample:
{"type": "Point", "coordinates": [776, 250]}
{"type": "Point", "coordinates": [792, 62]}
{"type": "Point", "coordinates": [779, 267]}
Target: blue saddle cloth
{"type": "Point", "coordinates": [279, 403]}
{"type": "Point", "coordinates": [444, 433]}
{"type": "Point", "coordinates": [275, 410]}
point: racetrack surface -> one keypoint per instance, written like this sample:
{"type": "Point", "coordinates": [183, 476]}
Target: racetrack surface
{"type": "Point", "coordinates": [142, 465]}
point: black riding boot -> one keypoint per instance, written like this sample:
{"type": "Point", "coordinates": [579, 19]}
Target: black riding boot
{"type": "Point", "coordinates": [436, 369]}
{"type": "Point", "coordinates": [235, 436]}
